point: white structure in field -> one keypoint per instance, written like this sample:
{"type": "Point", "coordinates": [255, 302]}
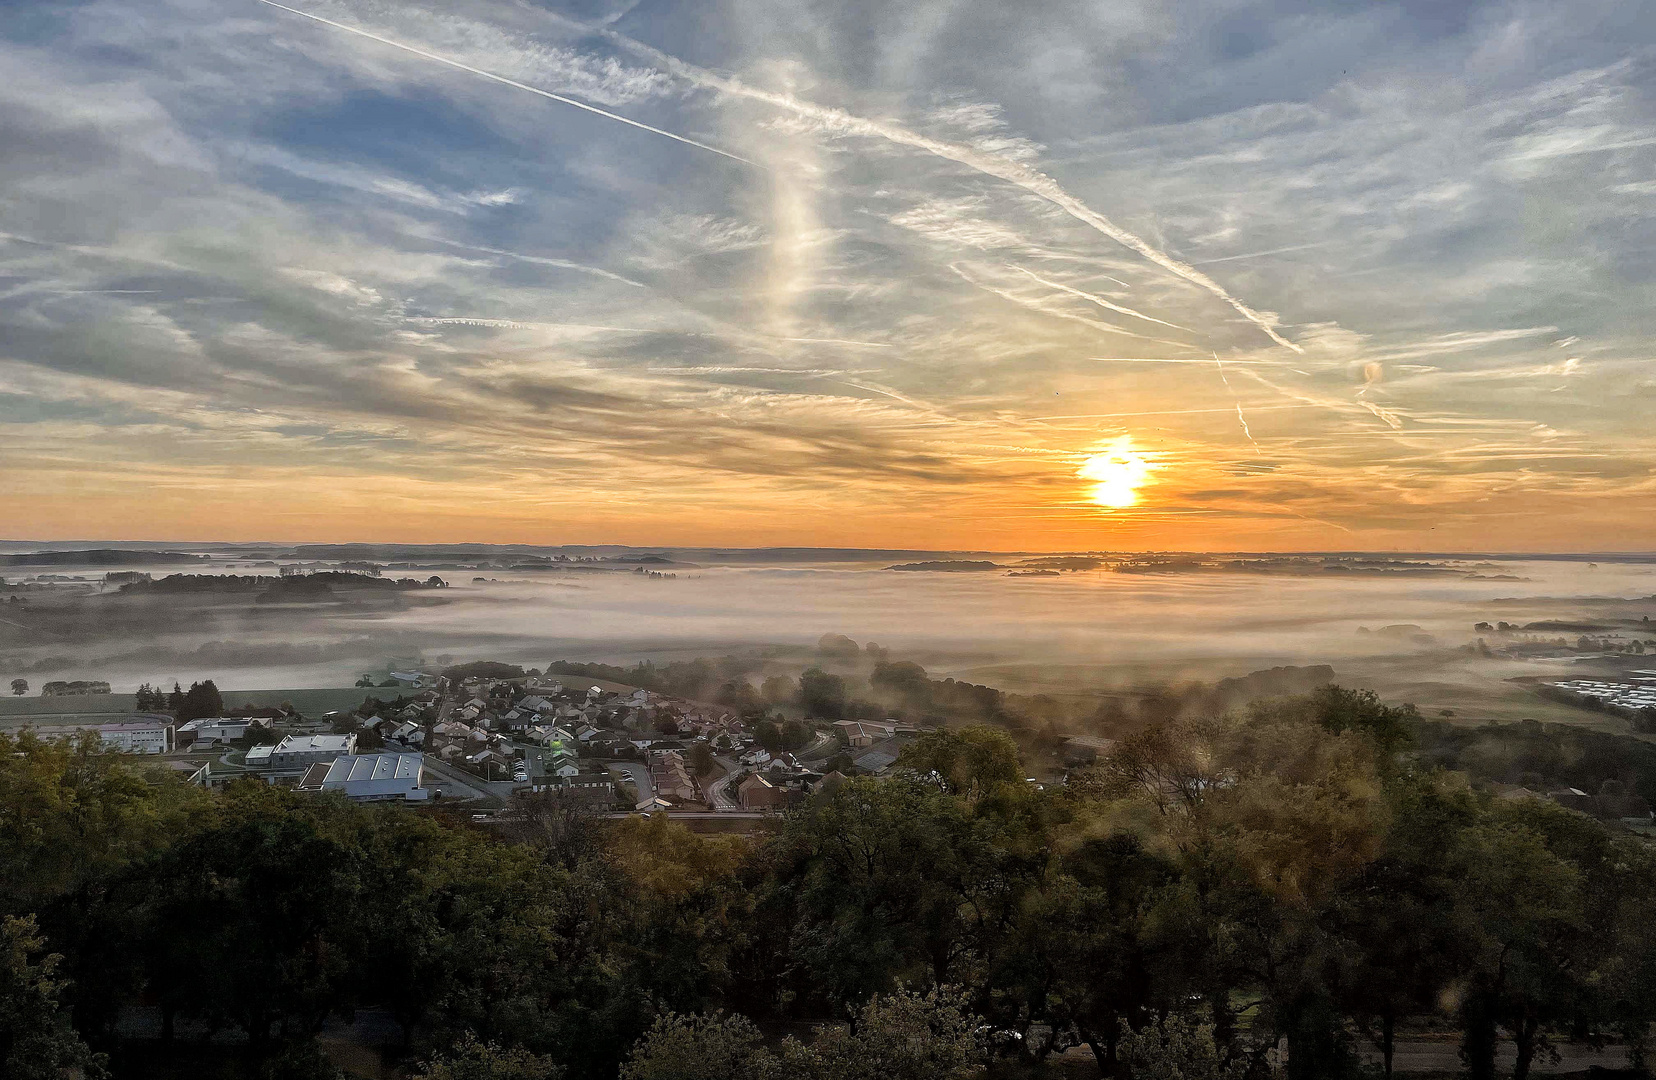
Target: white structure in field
{"type": "Point", "coordinates": [1640, 694]}
{"type": "Point", "coordinates": [369, 777]}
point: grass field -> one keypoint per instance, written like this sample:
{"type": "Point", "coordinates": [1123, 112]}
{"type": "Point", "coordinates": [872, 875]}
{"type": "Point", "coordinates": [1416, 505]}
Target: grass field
{"type": "Point", "coordinates": [105, 708]}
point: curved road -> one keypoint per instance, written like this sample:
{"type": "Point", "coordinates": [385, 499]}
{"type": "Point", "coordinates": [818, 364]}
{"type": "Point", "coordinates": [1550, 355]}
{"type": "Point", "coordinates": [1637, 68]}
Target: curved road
{"type": "Point", "coordinates": [719, 793]}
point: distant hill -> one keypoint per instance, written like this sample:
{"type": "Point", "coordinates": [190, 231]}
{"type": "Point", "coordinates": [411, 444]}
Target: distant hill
{"type": "Point", "coordinates": [949, 566]}
{"type": "Point", "coordinates": [98, 557]}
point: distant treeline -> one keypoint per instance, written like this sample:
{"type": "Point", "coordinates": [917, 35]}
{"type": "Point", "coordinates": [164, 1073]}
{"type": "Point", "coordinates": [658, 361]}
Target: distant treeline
{"type": "Point", "coordinates": [74, 688]}
{"type": "Point", "coordinates": [297, 587]}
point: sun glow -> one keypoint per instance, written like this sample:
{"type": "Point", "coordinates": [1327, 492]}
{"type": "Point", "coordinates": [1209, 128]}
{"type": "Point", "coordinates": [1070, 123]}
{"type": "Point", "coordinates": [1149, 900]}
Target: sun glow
{"type": "Point", "coordinates": [1117, 473]}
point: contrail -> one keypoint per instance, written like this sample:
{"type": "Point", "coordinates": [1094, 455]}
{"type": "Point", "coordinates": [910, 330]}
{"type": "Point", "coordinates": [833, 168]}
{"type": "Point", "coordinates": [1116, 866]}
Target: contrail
{"type": "Point", "coordinates": [1031, 180]}
{"type": "Point", "coordinates": [1096, 324]}
{"type": "Point", "coordinates": [1167, 360]}
{"type": "Point", "coordinates": [840, 341]}
{"type": "Point", "coordinates": [1099, 300]}
{"type": "Point", "coordinates": [512, 83]}
{"type": "Point", "coordinates": [1243, 420]}
{"type": "Point", "coordinates": [1261, 254]}
{"type": "Point", "coordinates": [562, 264]}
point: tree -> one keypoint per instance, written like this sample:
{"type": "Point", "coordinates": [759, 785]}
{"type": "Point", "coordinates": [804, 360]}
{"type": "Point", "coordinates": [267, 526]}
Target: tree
{"type": "Point", "coordinates": [1175, 1049]}
{"type": "Point", "coordinates": [149, 699]}
{"type": "Point", "coordinates": [202, 700]}
{"type": "Point", "coordinates": [768, 736]}
{"type": "Point", "coordinates": [701, 759]}
{"type": "Point", "coordinates": [822, 694]}
{"type": "Point", "coordinates": [250, 922]}
{"type": "Point", "coordinates": [36, 1041]}
{"type": "Point", "coordinates": [839, 647]}
{"type": "Point", "coordinates": [971, 761]}
{"type": "Point", "coordinates": [901, 1036]}
{"type": "Point", "coordinates": [20, 686]}
{"type": "Point", "coordinates": [474, 1060]}
{"type": "Point", "coordinates": [175, 700]}
{"type": "Point", "coordinates": [716, 1047]}
{"type": "Point", "coordinates": [905, 682]}
{"type": "Point", "coordinates": [779, 690]}
{"type": "Point", "coordinates": [1338, 710]}
{"type": "Point", "coordinates": [884, 872]}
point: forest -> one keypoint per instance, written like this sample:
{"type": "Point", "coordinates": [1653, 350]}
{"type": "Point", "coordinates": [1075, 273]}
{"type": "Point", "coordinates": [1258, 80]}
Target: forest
{"type": "Point", "coordinates": [1286, 889]}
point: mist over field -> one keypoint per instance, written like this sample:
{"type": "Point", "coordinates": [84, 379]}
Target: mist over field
{"type": "Point", "coordinates": [1397, 623]}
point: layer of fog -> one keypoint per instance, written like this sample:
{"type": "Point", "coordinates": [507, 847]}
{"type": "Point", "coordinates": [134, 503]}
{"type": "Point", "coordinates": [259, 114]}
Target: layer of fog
{"type": "Point", "coordinates": [1173, 625]}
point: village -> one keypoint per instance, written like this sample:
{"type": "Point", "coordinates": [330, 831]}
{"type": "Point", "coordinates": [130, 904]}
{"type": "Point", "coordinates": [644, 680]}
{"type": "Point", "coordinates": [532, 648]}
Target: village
{"type": "Point", "coordinates": [479, 740]}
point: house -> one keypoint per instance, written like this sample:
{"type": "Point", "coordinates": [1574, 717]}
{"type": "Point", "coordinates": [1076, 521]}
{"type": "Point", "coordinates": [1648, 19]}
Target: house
{"type": "Point", "coordinates": [671, 778]}
{"type": "Point", "coordinates": [369, 777]}
{"type": "Point", "coordinates": [653, 804]}
{"type": "Point", "coordinates": [413, 678]}
{"type": "Point", "coordinates": [856, 733]}
{"type": "Point", "coordinates": [594, 791]}
{"type": "Point", "coordinates": [830, 783]}
{"type": "Point", "coordinates": [295, 750]}
{"type": "Point", "coordinates": [217, 730]}
{"type": "Point", "coordinates": [757, 793]}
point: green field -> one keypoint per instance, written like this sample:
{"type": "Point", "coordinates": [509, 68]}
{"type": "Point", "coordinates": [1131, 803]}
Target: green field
{"type": "Point", "coordinates": [103, 708]}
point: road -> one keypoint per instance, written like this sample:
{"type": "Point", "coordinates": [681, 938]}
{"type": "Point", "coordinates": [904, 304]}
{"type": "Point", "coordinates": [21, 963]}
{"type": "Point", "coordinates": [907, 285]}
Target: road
{"type": "Point", "coordinates": [823, 746]}
{"type": "Point", "coordinates": [463, 785]}
{"type": "Point", "coordinates": [719, 793]}
{"type": "Point", "coordinates": [1423, 1055]}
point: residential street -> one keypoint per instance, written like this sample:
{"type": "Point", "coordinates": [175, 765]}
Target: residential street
{"type": "Point", "coordinates": [719, 793]}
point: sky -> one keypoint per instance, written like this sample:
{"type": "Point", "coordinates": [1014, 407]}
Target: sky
{"type": "Point", "coordinates": [953, 274]}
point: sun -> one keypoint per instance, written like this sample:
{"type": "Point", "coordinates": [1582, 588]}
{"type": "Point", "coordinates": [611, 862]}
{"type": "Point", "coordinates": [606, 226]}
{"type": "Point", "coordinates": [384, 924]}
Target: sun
{"type": "Point", "coordinates": [1117, 473]}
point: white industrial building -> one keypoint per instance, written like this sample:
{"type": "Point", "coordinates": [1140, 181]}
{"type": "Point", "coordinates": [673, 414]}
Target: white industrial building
{"type": "Point", "coordinates": [369, 777]}
{"type": "Point", "coordinates": [295, 751]}
{"type": "Point", "coordinates": [213, 730]}
{"type": "Point", "coordinates": [138, 735]}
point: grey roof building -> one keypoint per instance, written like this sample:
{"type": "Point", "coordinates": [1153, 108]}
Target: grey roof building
{"type": "Point", "coordinates": [369, 777]}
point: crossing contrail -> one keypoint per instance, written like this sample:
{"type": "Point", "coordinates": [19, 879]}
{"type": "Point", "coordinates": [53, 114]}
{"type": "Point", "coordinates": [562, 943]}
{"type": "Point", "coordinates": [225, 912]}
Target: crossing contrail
{"type": "Point", "coordinates": [512, 83]}
{"type": "Point", "coordinates": [1099, 300]}
{"type": "Point", "coordinates": [1013, 172]}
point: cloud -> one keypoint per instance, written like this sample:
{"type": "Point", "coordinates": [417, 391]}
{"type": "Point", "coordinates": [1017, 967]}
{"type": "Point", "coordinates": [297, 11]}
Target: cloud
{"type": "Point", "coordinates": [239, 252]}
